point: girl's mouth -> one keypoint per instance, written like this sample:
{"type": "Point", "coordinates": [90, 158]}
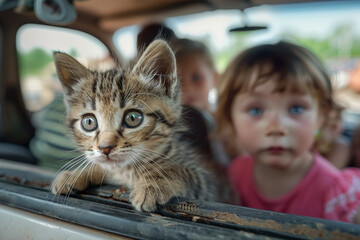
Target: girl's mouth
{"type": "Point", "coordinates": [276, 150]}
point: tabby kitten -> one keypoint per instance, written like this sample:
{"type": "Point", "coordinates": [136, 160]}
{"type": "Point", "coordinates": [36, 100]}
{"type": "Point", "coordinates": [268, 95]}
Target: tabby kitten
{"type": "Point", "coordinates": [128, 125]}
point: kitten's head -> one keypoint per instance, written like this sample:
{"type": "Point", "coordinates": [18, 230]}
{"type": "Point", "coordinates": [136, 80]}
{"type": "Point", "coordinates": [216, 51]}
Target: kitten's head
{"type": "Point", "coordinates": [120, 116]}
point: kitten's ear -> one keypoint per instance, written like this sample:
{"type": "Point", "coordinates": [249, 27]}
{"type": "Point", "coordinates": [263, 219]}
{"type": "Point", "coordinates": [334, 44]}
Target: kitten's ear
{"type": "Point", "coordinates": [157, 65]}
{"type": "Point", "coordinates": [69, 71]}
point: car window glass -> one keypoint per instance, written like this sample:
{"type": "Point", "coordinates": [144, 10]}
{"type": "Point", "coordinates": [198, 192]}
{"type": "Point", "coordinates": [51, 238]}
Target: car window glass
{"type": "Point", "coordinates": [35, 45]}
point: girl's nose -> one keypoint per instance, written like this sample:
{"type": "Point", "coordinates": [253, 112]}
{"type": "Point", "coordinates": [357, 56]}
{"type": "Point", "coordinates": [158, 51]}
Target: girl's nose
{"type": "Point", "coordinates": [276, 125]}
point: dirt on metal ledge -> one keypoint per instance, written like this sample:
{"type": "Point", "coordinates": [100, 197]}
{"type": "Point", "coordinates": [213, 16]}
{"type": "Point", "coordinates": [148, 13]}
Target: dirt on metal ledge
{"type": "Point", "coordinates": [301, 229]}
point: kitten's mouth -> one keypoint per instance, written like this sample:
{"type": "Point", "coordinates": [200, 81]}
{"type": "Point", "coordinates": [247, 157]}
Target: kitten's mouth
{"type": "Point", "coordinates": [107, 159]}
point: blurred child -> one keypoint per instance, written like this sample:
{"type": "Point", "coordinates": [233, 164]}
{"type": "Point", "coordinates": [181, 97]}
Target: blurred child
{"type": "Point", "coordinates": [196, 71]}
{"type": "Point", "coordinates": [329, 141]}
{"type": "Point", "coordinates": [198, 76]}
{"type": "Point", "coordinates": [276, 98]}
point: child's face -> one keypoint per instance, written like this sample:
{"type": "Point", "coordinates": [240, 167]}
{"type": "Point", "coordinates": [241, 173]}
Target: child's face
{"type": "Point", "coordinates": [197, 78]}
{"type": "Point", "coordinates": [275, 128]}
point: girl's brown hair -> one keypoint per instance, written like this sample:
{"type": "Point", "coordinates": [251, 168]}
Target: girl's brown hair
{"type": "Point", "coordinates": [293, 67]}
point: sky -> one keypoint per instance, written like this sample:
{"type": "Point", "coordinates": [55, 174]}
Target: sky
{"type": "Point", "coordinates": [306, 19]}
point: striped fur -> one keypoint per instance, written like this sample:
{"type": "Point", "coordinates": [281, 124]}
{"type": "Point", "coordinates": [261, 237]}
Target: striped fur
{"type": "Point", "coordinates": [150, 158]}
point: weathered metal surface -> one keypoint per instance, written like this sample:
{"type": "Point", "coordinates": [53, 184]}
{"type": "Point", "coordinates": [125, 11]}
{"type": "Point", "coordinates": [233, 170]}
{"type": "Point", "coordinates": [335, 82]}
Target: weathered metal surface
{"type": "Point", "coordinates": [113, 218]}
{"type": "Point", "coordinates": [257, 221]}
{"type": "Point", "coordinates": [211, 219]}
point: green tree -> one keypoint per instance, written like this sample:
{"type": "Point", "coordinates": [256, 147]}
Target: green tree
{"type": "Point", "coordinates": [33, 62]}
{"type": "Point", "coordinates": [341, 43]}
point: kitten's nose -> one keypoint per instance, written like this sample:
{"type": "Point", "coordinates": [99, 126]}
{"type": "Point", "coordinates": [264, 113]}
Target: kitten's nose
{"type": "Point", "coordinates": [106, 149]}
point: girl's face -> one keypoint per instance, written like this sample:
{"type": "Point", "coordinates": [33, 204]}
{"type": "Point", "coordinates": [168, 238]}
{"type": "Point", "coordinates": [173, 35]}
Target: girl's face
{"type": "Point", "coordinates": [277, 129]}
{"type": "Point", "coordinates": [197, 78]}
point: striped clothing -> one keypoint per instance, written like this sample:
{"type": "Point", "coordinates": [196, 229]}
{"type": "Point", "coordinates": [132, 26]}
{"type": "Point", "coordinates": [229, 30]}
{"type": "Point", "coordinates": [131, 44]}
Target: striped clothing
{"type": "Point", "coordinates": [51, 144]}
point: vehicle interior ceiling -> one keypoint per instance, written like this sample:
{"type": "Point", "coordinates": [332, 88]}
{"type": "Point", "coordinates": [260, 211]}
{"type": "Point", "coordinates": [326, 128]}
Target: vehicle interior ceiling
{"type": "Point", "coordinates": [100, 18]}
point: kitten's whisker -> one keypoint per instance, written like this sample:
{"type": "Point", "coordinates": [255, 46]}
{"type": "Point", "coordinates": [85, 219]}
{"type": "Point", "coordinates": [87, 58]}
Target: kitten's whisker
{"type": "Point", "coordinates": [91, 168]}
{"type": "Point", "coordinates": [137, 168]}
{"type": "Point", "coordinates": [80, 155]}
{"type": "Point", "coordinates": [71, 174]}
{"type": "Point", "coordinates": [105, 170]}
{"type": "Point", "coordinates": [61, 169]}
{"type": "Point", "coordinates": [67, 156]}
{"type": "Point", "coordinates": [140, 173]}
{"type": "Point", "coordinates": [77, 177]}
{"type": "Point", "coordinates": [162, 173]}
{"type": "Point", "coordinates": [161, 155]}
{"type": "Point", "coordinates": [149, 158]}
{"type": "Point", "coordinates": [138, 164]}
{"type": "Point", "coordinates": [67, 166]}
{"type": "Point", "coordinates": [153, 180]}
{"type": "Point", "coordinates": [70, 159]}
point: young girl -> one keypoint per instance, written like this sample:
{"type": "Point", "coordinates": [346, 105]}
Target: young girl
{"type": "Point", "coordinates": [276, 97]}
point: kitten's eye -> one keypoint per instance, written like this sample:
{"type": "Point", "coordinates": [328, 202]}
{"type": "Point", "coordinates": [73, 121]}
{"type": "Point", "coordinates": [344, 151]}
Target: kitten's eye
{"type": "Point", "coordinates": [133, 119]}
{"type": "Point", "coordinates": [296, 109]}
{"type": "Point", "coordinates": [89, 123]}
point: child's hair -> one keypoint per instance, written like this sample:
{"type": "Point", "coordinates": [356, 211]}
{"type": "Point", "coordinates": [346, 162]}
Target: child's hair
{"type": "Point", "coordinates": [293, 68]}
{"type": "Point", "coordinates": [154, 31]}
{"type": "Point", "coordinates": [184, 46]}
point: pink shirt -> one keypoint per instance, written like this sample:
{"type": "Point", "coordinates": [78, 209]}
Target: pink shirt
{"type": "Point", "coordinates": [324, 192]}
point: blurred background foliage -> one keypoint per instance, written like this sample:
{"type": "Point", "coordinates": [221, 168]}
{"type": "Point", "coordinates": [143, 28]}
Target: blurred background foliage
{"type": "Point", "coordinates": [342, 43]}
{"type": "Point", "coordinates": [34, 61]}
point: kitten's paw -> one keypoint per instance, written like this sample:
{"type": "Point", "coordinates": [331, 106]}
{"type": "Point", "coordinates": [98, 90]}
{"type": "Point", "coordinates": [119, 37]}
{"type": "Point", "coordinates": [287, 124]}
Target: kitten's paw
{"type": "Point", "coordinates": [68, 181]}
{"type": "Point", "coordinates": [146, 198]}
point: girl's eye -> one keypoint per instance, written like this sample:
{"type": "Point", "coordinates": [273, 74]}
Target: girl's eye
{"type": "Point", "coordinates": [133, 119]}
{"type": "Point", "coordinates": [255, 111]}
{"type": "Point", "coordinates": [89, 123]}
{"type": "Point", "coordinates": [196, 78]}
{"type": "Point", "coordinates": [296, 109]}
